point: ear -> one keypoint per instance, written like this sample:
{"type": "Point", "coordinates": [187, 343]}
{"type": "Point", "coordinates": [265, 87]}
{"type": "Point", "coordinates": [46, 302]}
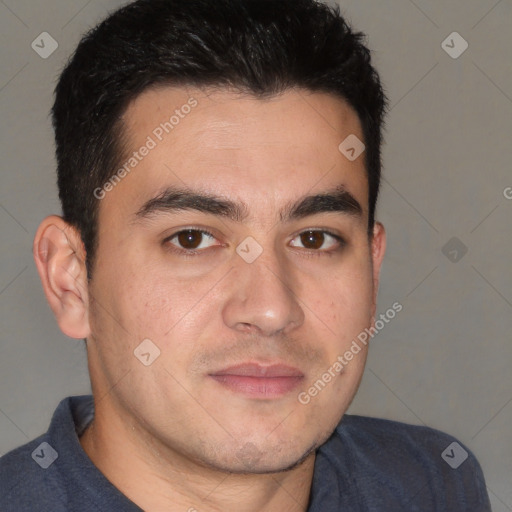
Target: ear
{"type": "Point", "coordinates": [378, 248]}
{"type": "Point", "coordinates": [60, 259]}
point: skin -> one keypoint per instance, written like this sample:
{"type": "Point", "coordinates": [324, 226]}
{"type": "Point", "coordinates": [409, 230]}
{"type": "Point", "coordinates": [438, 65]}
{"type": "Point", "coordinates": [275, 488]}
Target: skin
{"type": "Point", "coordinates": [168, 435]}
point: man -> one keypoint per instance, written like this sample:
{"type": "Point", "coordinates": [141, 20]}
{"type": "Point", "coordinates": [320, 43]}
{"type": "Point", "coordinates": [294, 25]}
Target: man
{"type": "Point", "coordinates": [218, 168]}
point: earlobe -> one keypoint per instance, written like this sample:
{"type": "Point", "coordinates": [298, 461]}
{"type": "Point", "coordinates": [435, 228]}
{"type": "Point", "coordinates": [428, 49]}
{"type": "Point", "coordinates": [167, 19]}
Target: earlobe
{"type": "Point", "coordinates": [60, 260]}
{"type": "Point", "coordinates": [378, 250]}
{"type": "Point", "coordinates": [378, 244]}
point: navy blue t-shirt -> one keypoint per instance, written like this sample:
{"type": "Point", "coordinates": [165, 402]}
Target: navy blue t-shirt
{"type": "Point", "coordinates": [366, 465]}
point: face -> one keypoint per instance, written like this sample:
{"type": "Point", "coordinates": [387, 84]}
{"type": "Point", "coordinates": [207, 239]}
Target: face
{"type": "Point", "coordinates": [236, 246]}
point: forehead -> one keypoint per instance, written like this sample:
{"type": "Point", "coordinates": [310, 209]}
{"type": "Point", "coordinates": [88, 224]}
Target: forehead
{"type": "Point", "coordinates": [258, 151]}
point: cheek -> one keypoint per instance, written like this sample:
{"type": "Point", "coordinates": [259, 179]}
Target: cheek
{"type": "Point", "coordinates": [130, 301]}
{"type": "Point", "coordinates": [165, 307]}
{"type": "Point", "coordinates": [156, 305]}
{"type": "Point", "coordinates": [346, 296]}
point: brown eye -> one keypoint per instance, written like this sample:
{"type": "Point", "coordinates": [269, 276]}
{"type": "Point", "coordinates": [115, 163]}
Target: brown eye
{"type": "Point", "coordinates": [190, 239]}
{"type": "Point", "coordinates": [318, 240]}
{"type": "Point", "coordinates": [312, 239]}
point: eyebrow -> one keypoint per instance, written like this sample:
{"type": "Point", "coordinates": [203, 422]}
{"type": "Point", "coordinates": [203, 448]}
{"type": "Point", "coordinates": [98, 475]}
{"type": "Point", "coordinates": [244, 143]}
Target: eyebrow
{"type": "Point", "coordinates": [172, 200]}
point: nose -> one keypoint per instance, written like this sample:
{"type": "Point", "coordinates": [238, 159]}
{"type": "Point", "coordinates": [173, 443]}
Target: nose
{"type": "Point", "coordinates": [262, 298]}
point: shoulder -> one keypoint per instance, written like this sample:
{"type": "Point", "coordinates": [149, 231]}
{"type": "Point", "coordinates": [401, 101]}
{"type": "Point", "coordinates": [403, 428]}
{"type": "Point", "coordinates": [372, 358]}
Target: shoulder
{"type": "Point", "coordinates": [409, 463]}
{"type": "Point", "coordinates": [33, 476]}
{"type": "Point", "coordinates": [396, 436]}
{"type": "Point", "coordinates": [26, 478]}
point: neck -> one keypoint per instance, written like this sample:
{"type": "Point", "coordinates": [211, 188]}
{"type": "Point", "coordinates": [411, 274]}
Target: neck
{"type": "Point", "coordinates": [157, 477]}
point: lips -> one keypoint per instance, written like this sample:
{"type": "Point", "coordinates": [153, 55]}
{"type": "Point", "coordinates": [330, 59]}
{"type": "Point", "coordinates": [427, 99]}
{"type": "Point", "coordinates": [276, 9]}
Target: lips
{"type": "Point", "coordinates": [258, 370]}
{"type": "Point", "coordinates": [259, 381]}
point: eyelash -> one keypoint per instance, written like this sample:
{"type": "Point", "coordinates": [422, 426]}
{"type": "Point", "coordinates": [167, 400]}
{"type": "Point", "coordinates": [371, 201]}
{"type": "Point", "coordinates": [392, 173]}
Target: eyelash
{"type": "Point", "coordinates": [307, 253]}
{"type": "Point", "coordinates": [312, 253]}
{"type": "Point", "coordinates": [186, 252]}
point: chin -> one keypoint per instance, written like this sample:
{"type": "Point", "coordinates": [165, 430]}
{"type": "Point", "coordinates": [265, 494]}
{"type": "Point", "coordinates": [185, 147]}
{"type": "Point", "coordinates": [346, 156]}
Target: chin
{"type": "Point", "coordinates": [249, 459]}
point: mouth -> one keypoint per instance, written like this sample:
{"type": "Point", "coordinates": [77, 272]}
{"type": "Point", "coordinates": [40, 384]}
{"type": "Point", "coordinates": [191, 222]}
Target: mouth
{"type": "Point", "coordinates": [259, 381]}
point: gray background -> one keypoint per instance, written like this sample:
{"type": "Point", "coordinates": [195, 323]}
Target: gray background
{"type": "Point", "coordinates": [445, 359]}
